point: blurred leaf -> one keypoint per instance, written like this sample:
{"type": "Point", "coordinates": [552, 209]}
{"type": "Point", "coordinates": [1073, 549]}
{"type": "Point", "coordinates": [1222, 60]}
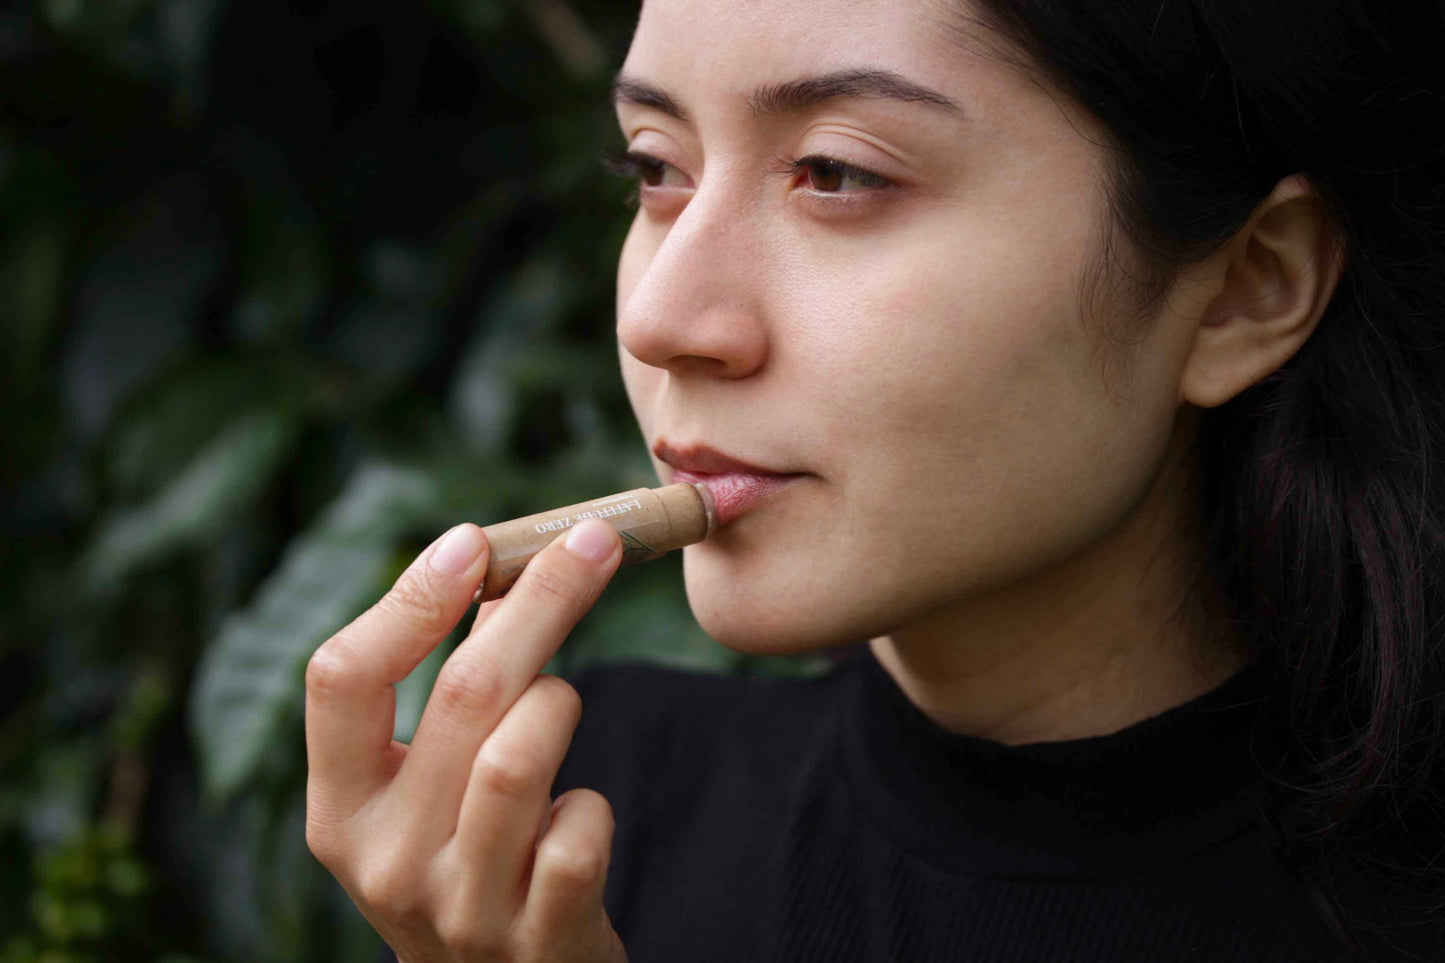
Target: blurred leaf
{"type": "Point", "coordinates": [249, 682]}
{"type": "Point", "coordinates": [222, 482]}
{"type": "Point", "coordinates": [156, 438]}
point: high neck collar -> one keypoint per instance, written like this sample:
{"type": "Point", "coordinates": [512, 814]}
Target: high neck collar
{"type": "Point", "coordinates": [1148, 795]}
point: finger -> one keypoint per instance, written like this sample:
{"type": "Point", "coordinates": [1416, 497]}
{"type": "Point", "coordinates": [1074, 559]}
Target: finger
{"type": "Point", "coordinates": [569, 874]}
{"type": "Point", "coordinates": [509, 790]}
{"type": "Point", "coordinates": [492, 667]}
{"type": "Point", "coordinates": [484, 611]}
{"type": "Point", "coordinates": [350, 705]}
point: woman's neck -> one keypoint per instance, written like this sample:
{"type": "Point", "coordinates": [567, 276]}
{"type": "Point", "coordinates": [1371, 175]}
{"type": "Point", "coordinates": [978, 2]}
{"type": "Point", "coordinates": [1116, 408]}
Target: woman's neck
{"type": "Point", "coordinates": [1122, 631]}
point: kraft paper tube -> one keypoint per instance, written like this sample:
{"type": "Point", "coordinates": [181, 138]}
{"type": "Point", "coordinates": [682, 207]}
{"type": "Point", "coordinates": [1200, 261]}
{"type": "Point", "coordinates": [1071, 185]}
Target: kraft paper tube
{"type": "Point", "coordinates": [651, 522]}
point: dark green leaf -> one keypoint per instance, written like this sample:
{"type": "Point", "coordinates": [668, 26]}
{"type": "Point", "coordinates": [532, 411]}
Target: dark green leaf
{"type": "Point", "coordinates": [221, 482]}
{"type": "Point", "coordinates": [249, 683]}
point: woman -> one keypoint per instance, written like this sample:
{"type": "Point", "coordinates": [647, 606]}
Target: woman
{"type": "Point", "coordinates": [1080, 361]}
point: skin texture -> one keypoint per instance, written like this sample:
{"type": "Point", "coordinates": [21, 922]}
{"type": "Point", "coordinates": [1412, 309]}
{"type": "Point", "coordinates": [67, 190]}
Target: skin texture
{"type": "Point", "coordinates": [995, 498]}
{"type": "Point", "coordinates": [451, 846]}
{"type": "Point", "coordinates": [992, 496]}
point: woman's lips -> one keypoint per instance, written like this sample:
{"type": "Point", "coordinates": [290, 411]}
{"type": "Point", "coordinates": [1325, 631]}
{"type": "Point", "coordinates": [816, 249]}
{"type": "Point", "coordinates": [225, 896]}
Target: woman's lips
{"type": "Point", "coordinates": [735, 485]}
{"type": "Point", "coordinates": [734, 492]}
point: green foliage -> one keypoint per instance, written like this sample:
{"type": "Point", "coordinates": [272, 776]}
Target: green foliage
{"type": "Point", "coordinates": [88, 902]}
{"type": "Point", "coordinates": [224, 480]}
{"type": "Point", "coordinates": [290, 289]}
{"type": "Point", "coordinates": [247, 686]}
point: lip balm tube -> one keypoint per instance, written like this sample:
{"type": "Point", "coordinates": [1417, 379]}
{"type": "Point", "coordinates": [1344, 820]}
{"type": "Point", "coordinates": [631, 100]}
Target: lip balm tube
{"type": "Point", "coordinates": [651, 522]}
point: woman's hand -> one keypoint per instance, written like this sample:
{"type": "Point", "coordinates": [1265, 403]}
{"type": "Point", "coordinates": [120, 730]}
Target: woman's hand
{"type": "Point", "coordinates": [451, 846]}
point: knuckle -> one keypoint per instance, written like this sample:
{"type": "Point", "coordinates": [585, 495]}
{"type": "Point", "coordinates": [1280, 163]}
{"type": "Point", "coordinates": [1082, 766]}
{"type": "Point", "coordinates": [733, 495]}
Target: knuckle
{"type": "Point", "coordinates": [412, 598]}
{"type": "Point", "coordinates": [553, 584]}
{"type": "Point", "coordinates": [505, 774]}
{"type": "Point", "coordinates": [572, 866]}
{"type": "Point", "coordinates": [464, 688]}
{"type": "Point", "coordinates": [560, 693]}
{"type": "Point", "coordinates": [321, 840]}
{"type": "Point", "coordinates": [326, 828]}
{"type": "Point", "coordinates": [386, 886]}
{"type": "Point", "coordinates": [600, 814]}
{"type": "Point", "coordinates": [460, 933]}
{"type": "Point", "coordinates": [329, 671]}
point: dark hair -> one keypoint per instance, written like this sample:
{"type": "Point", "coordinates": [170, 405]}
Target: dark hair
{"type": "Point", "coordinates": [1323, 486]}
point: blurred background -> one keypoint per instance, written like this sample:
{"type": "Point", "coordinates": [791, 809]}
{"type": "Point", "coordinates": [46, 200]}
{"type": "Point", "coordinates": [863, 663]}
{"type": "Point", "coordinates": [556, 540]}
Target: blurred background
{"type": "Point", "coordinates": [288, 289]}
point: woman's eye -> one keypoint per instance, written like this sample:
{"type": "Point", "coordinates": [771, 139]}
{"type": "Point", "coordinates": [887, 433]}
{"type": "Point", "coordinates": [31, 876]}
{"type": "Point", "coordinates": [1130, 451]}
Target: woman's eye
{"type": "Point", "coordinates": [818, 174]}
{"type": "Point", "coordinates": [828, 176]}
{"type": "Point", "coordinates": [647, 170]}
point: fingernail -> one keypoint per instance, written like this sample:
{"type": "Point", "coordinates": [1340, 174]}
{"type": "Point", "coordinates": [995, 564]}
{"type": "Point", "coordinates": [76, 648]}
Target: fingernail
{"type": "Point", "coordinates": [592, 540]}
{"type": "Point", "coordinates": [457, 550]}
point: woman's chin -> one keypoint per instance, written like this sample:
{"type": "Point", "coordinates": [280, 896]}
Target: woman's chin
{"type": "Point", "coordinates": [767, 622]}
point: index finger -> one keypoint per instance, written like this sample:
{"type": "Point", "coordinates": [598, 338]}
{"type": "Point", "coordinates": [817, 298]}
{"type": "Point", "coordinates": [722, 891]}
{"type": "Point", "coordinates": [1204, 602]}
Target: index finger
{"type": "Point", "coordinates": [350, 702]}
{"type": "Point", "coordinates": [496, 663]}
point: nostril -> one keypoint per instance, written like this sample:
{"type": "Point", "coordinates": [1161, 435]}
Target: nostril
{"type": "Point", "coordinates": [699, 364]}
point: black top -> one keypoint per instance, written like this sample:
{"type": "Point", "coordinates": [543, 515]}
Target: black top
{"type": "Point", "coordinates": [829, 820]}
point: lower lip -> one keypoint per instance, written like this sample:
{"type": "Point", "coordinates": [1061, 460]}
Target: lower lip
{"type": "Point", "coordinates": [735, 492]}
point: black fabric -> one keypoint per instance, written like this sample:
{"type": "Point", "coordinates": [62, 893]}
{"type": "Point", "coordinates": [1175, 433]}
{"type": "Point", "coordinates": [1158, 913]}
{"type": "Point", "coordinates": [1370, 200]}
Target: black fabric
{"type": "Point", "coordinates": [829, 820]}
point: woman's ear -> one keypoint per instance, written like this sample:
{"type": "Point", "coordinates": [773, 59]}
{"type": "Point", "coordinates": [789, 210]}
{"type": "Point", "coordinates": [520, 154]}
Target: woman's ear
{"type": "Point", "coordinates": [1280, 271]}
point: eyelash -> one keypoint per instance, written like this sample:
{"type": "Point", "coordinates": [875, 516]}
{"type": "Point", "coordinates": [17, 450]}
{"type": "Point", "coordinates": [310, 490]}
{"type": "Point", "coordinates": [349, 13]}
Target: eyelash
{"type": "Point", "coordinates": [836, 167]}
{"type": "Point", "coordinates": [632, 166]}
{"type": "Point", "coordinates": [635, 166]}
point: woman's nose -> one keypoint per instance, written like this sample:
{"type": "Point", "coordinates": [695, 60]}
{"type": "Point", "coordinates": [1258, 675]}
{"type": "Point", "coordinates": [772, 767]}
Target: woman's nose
{"type": "Point", "coordinates": [695, 300]}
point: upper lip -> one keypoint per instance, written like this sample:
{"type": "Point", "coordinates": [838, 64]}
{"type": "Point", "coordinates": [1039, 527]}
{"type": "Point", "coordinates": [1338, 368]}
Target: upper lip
{"type": "Point", "coordinates": [702, 460]}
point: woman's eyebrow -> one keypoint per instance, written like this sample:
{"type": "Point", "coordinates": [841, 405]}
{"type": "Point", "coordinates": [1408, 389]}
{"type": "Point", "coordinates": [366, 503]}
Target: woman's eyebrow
{"type": "Point", "coordinates": [795, 96]}
{"type": "Point", "coordinates": [630, 90]}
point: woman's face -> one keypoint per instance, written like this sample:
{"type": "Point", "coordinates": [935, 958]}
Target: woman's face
{"type": "Point", "coordinates": [858, 260]}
